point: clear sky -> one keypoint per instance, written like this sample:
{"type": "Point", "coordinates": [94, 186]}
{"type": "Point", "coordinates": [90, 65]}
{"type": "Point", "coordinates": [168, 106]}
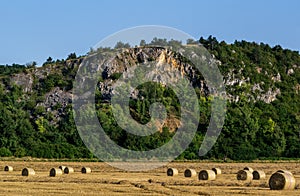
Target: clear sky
{"type": "Point", "coordinates": [33, 30]}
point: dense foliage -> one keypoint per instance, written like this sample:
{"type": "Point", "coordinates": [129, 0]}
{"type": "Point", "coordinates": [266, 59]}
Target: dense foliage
{"type": "Point", "coordinates": [253, 129]}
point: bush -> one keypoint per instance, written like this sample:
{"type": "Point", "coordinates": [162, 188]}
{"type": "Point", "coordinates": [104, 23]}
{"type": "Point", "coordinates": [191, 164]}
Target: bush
{"type": "Point", "coordinates": [4, 152]}
{"type": "Point", "coordinates": [20, 152]}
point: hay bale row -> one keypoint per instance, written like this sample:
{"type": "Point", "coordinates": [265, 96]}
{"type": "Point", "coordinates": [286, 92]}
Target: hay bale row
{"type": "Point", "coordinates": [68, 170]}
{"type": "Point", "coordinates": [244, 175]}
{"type": "Point", "coordinates": [86, 170]}
{"type": "Point", "coordinates": [28, 172]}
{"type": "Point", "coordinates": [203, 175]}
{"type": "Point", "coordinates": [62, 169]}
{"type": "Point", "coordinates": [190, 173]}
{"type": "Point", "coordinates": [8, 168]}
{"type": "Point", "coordinates": [172, 172]}
{"type": "Point", "coordinates": [282, 180]}
{"type": "Point", "coordinates": [53, 171]}
{"type": "Point", "coordinates": [207, 175]}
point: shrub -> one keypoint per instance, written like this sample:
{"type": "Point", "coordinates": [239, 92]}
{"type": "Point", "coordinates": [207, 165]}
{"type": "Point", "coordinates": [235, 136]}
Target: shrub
{"type": "Point", "coordinates": [4, 152]}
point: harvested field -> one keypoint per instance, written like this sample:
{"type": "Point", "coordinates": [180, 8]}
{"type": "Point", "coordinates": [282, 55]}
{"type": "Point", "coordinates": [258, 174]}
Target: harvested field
{"type": "Point", "coordinates": [106, 180]}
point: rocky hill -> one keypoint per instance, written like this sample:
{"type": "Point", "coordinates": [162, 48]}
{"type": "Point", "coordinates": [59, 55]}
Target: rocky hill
{"type": "Point", "coordinates": [262, 88]}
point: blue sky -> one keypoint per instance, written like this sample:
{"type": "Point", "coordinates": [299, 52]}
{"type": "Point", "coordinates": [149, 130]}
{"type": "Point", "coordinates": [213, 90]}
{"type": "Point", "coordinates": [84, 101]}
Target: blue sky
{"type": "Point", "coordinates": [33, 30]}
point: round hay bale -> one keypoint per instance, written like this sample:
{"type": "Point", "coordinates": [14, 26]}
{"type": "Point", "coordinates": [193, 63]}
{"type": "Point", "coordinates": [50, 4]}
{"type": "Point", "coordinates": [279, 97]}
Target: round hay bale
{"type": "Point", "coordinates": [207, 175]}
{"type": "Point", "coordinates": [285, 171]}
{"type": "Point", "coordinates": [280, 181]}
{"type": "Point", "coordinates": [86, 170]}
{"type": "Point", "coordinates": [258, 175]}
{"type": "Point", "coordinates": [249, 169]}
{"type": "Point", "coordinates": [55, 172]}
{"type": "Point", "coordinates": [68, 170]}
{"type": "Point", "coordinates": [62, 167]}
{"type": "Point", "coordinates": [190, 173]}
{"type": "Point", "coordinates": [217, 171]}
{"type": "Point", "coordinates": [244, 175]}
{"type": "Point", "coordinates": [172, 172]}
{"type": "Point", "coordinates": [8, 168]}
{"type": "Point", "coordinates": [28, 172]}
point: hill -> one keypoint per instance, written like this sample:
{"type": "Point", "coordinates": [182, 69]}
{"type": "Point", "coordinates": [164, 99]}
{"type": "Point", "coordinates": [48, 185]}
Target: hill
{"type": "Point", "coordinates": [262, 119]}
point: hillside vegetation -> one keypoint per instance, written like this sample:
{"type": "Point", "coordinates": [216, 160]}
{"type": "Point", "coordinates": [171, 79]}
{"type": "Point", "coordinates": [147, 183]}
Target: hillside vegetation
{"type": "Point", "coordinates": [263, 107]}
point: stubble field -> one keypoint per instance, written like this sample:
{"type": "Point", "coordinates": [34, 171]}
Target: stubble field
{"type": "Point", "coordinates": [106, 180]}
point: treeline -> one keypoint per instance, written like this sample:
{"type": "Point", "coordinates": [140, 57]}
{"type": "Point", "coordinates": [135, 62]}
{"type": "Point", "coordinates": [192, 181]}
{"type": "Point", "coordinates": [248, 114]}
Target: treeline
{"type": "Point", "coordinates": [11, 69]}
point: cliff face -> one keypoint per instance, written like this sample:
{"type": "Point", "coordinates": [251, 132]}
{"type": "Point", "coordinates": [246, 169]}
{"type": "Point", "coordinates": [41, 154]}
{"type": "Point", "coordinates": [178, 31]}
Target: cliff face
{"type": "Point", "coordinates": [235, 79]}
{"type": "Point", "coordinates": [161, 73]}
{"type": "Point", "coordinates": [48, 87]}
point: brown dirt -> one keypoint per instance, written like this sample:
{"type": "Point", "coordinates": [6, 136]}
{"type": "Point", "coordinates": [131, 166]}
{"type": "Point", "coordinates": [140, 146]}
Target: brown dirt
{"type": "Point", "coordinates": [106, 180]}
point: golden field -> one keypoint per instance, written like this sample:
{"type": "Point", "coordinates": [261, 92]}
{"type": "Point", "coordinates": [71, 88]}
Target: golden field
{"type": "Point", "coordinates": [106, 180]}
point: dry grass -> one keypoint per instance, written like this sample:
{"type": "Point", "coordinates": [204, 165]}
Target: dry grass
{"type": "Point", "coordinates": [106, 180]}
